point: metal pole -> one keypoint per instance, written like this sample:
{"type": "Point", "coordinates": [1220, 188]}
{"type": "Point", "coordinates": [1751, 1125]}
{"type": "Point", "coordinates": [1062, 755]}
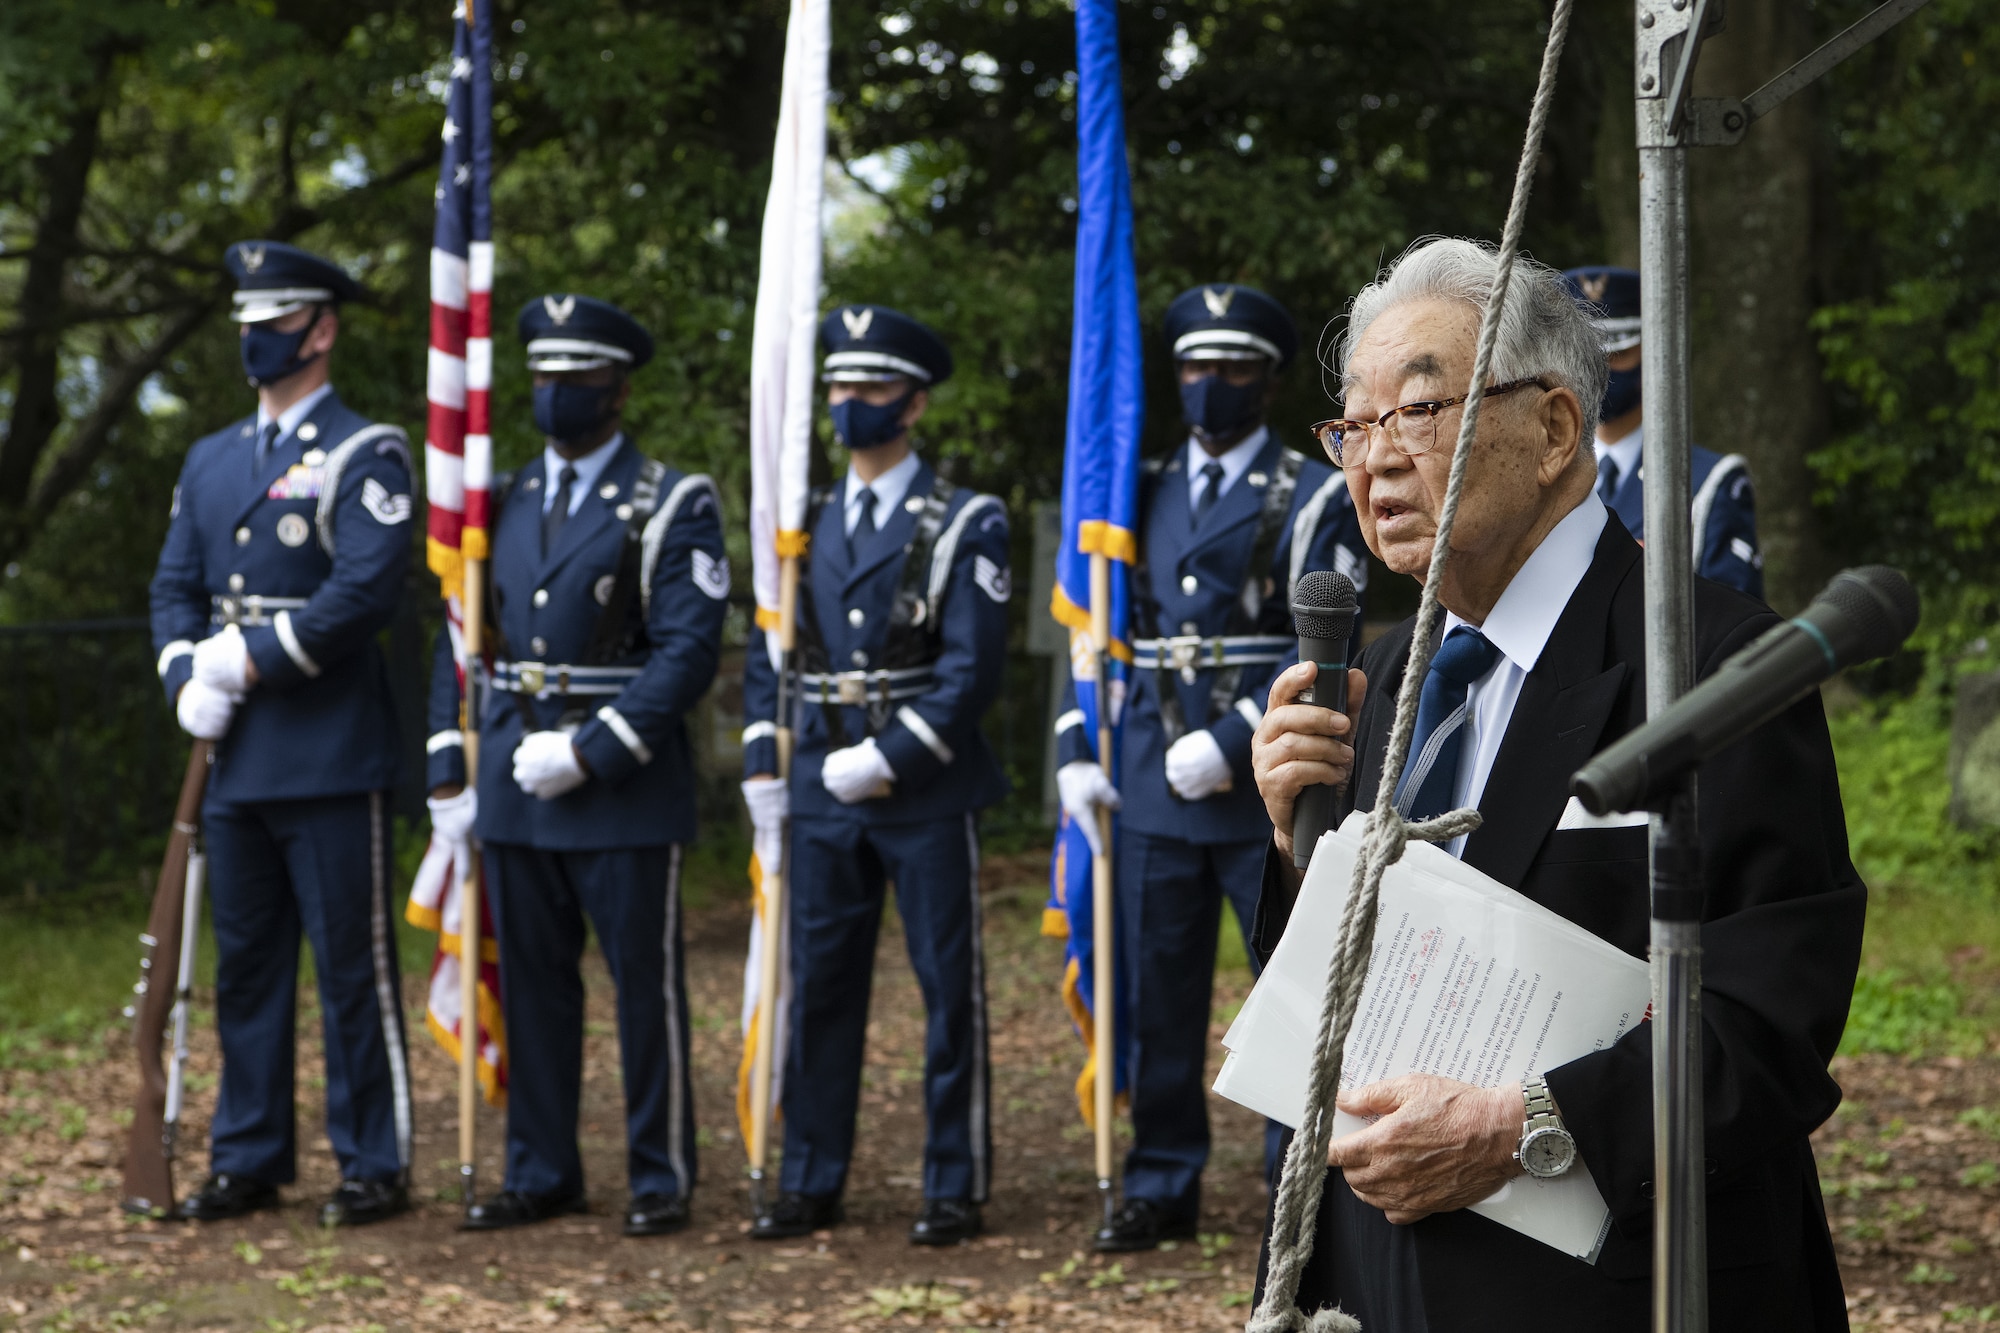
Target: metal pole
{"type": "Point", "coordinates": [1680, 1242]}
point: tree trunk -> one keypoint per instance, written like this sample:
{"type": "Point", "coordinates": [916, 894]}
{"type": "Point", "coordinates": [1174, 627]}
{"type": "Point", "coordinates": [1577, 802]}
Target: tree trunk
{"type": "Point", "coordinates": [1758, 387]}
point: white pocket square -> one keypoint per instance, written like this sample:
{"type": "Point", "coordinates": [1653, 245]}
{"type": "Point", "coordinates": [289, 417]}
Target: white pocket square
{"type": "Point", "coordinates": [1575, 816]}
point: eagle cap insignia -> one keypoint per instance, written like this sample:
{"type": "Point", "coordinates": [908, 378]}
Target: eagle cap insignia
{"type": "Point", "coordinates": [1217, 300]}
{"type": "Point", "coordinates": [857, 321]}
{"type": "Point", "coordinates": [1593, 286]}
{"type": "Point", "coordinates": [559, 311]}
{"type": "Point", "coordinates": [253, 257]}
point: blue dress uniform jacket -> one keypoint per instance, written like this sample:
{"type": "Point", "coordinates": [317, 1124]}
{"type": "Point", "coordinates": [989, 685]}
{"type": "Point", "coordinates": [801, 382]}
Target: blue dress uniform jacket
{"type": "Point", "coordinates": [1196, 576]}
{"type": "Point", "coordinates": [1724, 519]}
{"type": "Point", "coordinates": [641, 792]}
{"type": "Point", "coordinates": [325, 529]}
{"type": "Point", "coordinates": [933, 742]}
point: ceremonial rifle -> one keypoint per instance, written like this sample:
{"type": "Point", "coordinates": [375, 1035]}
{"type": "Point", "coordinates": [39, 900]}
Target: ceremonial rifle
{"type": "Point", "coordinates": [171, 932]}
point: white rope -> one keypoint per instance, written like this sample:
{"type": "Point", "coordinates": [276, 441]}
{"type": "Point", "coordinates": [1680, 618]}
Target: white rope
{"type": "Point", "coordinates": [1295, 1212]}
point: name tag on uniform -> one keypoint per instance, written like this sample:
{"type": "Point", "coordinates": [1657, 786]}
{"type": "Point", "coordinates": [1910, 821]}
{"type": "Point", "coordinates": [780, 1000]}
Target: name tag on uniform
{"type": "Point", "coordinates": [299, 483]}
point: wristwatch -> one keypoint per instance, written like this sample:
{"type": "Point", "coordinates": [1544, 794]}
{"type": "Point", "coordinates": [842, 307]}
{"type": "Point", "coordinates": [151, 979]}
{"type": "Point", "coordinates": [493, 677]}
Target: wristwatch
{"type": "Point", "coordinates": [1546, 1150]}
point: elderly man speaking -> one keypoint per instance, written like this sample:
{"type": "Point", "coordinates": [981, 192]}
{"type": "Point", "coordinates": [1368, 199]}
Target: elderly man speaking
{"type": "Point", "coordinates": [1541, 665]}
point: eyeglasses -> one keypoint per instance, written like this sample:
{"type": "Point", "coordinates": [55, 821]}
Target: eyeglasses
{"type": "Point", "coordinates": [1411, 428]}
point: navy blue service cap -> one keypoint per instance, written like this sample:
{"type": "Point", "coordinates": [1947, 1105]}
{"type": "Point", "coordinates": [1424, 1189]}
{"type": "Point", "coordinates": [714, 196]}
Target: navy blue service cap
{"type": "Point", "coordinates": [1610, 297]}
{"type": "Point", "coordinates": [873, 342]}
{"type": "Point", "coordinates": [1224, 321]}
{"type": "Point", "coordinates": [571, 332]}
{"type": "Point", "coordinates": [274, 279]}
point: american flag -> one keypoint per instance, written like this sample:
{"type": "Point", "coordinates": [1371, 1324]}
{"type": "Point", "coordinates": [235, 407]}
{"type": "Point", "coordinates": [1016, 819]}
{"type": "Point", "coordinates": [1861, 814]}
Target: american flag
{"type": "Point", "coordinates": [458, 467]}
{"type": "Point", "coordinates": [458, 441]}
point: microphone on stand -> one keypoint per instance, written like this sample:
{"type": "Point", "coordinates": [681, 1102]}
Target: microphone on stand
{"type": "Point", "coordinates": [1323, 608]}
{"type": "Point", "coordinates": [1861, 615]}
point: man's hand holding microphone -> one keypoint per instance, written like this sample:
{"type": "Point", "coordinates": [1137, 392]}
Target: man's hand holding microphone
{"type": "Point", "coordinates": [1303, 750]}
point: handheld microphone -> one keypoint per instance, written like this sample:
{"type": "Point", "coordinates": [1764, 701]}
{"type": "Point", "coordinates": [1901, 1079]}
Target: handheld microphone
{"type": "Point", "coordinates": [1323, 609]}
{"type": "Point", "coordinates": [1861, 615]}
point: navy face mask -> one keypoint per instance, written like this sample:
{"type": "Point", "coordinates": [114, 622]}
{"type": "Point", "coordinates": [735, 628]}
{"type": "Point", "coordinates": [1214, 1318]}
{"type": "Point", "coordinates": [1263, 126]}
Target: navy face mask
{"type": "Point", "coordinates": [1621, 394]}
{"type": "Point", "coordinates": [1218, 408]}
{"type": "Point", "coordinates": [567, 412]}
{"type": "Point", "coordinates": [270, 356]}
{"type": "Point", "coordinates": [860, 425]}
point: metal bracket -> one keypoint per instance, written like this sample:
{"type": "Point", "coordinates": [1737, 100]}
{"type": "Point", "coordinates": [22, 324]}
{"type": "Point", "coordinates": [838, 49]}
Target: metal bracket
{"type": "Point", "coordinates": [1667, 62]}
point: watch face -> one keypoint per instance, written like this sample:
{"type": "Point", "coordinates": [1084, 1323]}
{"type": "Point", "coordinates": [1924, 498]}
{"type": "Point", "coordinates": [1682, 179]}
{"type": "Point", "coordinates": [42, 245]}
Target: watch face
{"type": "Point", "coordinates": [1547, 1152]}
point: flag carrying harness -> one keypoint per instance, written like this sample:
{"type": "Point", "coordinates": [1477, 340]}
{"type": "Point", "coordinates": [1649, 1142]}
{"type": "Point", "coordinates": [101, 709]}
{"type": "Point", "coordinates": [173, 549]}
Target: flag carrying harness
{"type": "Point", "coordinates": [1295, 1209]}
{"type": "Point", "coordinates": [1239, 645]}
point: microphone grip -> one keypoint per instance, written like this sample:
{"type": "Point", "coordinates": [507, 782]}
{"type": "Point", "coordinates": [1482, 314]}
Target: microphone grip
{"type": "Point", "coordinates": [1316, 809]}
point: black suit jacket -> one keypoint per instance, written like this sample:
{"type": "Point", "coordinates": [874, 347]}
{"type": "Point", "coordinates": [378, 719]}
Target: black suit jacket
{"type": "Point", "coordinates": [1781, 943]}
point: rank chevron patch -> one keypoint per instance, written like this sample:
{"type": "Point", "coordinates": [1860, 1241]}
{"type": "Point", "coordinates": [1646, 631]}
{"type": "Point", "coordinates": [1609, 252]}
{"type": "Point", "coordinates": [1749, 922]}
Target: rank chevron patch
{"type": "Point", "coordinates": [386, 508]}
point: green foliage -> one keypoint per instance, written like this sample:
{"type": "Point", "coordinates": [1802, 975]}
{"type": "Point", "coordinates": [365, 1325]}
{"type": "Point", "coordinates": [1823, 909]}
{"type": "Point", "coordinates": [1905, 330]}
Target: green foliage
{"type": "Point", "coordinates": [1911, 336]}
{"type": "Point", "coordinates": [1898, 1016]}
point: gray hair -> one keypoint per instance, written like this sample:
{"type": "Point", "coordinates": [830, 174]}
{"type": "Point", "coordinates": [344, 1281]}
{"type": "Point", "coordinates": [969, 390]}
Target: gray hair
{"type": "Point", "coordinates": [1543, 332]}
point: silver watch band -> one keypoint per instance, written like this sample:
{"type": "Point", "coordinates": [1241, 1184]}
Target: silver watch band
{"type": "Point", "coordinates": [1541, 1104]}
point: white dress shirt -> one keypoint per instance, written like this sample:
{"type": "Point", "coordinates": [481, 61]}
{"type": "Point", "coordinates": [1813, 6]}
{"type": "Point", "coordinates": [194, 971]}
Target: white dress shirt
{"type": "Point", "coordinates": [1626, 452]}
{"type": "Point", "coordinates": [588, 469]}
{"type": "Point", "coordinates": [1235, 462]}
{"type": "Point", "coordinates": [1519, 626]}
{"type": "Point", "coordinates": [889, 488]}
{"type": "Point", "coordinates": [289, 419]}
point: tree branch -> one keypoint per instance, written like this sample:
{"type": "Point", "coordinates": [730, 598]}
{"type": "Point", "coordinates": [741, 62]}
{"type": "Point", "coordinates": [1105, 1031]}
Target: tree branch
{"type": "Point", "coordinates": [87, 442]}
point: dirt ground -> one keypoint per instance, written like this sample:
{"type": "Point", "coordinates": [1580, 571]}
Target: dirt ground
{"type": "Point", "coordinates": [1910, 1167]}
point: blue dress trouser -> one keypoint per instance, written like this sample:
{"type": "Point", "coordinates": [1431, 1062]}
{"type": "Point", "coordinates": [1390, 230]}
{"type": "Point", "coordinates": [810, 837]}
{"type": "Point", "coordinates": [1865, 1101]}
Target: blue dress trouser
{"type": "Point", "coordinates": [1170, 895]}
{"type": "Point", "coordinates": [320, 867]}
{"type": "Point", "coordinates": [839, 873]}
{"type": "Point", "coordinates": [632, 897]}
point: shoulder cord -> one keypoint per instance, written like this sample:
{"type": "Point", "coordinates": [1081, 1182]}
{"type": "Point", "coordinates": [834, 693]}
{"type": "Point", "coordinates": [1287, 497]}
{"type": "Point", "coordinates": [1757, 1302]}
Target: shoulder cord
{"type": "Point", "coordinates": [1295, 1210]}
{"type": "Point", "coordinates": [1727, 466]}
{"type": "Point", "coordinates": [387, 439]}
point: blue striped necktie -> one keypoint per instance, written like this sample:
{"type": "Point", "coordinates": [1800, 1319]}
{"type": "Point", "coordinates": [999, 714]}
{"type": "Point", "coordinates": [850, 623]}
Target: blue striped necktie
{"type": "Point", "coordinates": [1430, 782]}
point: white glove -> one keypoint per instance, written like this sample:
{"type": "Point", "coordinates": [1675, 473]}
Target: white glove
{"type": "Point", "coordinates": [546, 766]}
{"type": "Point", "coordinates": [222, 662]}
{"type": "Point", "coordinates": [452, 816]}
{"type": "Point", "coordinates": [857, 773]}
{"type": "Point", "coordinates": [447, 862]}
{"type": "Point", "coordinates": [204, 711]}
{"type": "Point", "coordinates": [769, 801]}
{"type": "Point", "coordinates": [1195, 767]}
{"type": "Point", "coordinates": [1084, 787]}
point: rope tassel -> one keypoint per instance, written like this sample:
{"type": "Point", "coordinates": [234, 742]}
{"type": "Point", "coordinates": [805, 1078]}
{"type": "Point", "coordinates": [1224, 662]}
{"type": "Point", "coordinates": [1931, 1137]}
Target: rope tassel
{"type": "Point", "coordinates": [1296, 1209]}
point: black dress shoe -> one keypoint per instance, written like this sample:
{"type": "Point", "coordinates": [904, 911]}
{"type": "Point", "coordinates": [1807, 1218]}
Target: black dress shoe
{"type": "Point", "coordinates": [358, 1202]}
{"type": "Point", "coordinates": [509, 1209]}
{"type": "Point", "coordinates": [656, 1214]}
{"type": "Point", "coordinates": [796, 1215]}
{"type": "Point", "coordinates": [945, 1222]}
{"type": "Point", "coordinates": [1141, 1225]}
{"type": "Point", "coordinates": [223, 1196]}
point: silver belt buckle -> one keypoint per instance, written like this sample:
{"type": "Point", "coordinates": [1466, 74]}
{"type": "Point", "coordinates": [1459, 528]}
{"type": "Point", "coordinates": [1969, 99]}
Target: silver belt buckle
{"type": "Point", "coordinates": [1184, 651]}
{"type": "Point", "coordinates": [230, 608]}
{"type": "Point", "coordinates": [852, 688]}
{"type": "Point", "coordinates": [533, 676]}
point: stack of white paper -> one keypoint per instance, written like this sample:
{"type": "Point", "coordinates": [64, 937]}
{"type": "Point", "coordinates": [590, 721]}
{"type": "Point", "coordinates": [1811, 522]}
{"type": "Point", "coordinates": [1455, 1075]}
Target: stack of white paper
{"type": "Point", "coordinates": [1469, 980]}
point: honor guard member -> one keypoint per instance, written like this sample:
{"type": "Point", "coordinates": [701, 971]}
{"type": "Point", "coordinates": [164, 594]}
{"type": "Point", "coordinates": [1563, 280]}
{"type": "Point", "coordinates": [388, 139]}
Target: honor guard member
{"type": "Point", "coordinates": [285, 556]}
{"type": "Point", "coordinates": [902, 635]}
{"type": "Point", "coordinates": [1228, 522]}
{"type": "Point", "coordinates": [608, 586]}
{"type": "Point", "coordinates": [1725, 505]}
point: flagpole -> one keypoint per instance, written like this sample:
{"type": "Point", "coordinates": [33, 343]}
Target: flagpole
{"type": "Point", "coordinates": [1104, 998]}
{"type": "Point", "coordinates": [473, 608]}
{"type": "Point", "coordinates": [764, 1062]}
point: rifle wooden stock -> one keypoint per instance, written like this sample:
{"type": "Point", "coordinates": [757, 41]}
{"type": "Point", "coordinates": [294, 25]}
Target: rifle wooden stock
{"type": "Point", "coordinates": [149, 1172]}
